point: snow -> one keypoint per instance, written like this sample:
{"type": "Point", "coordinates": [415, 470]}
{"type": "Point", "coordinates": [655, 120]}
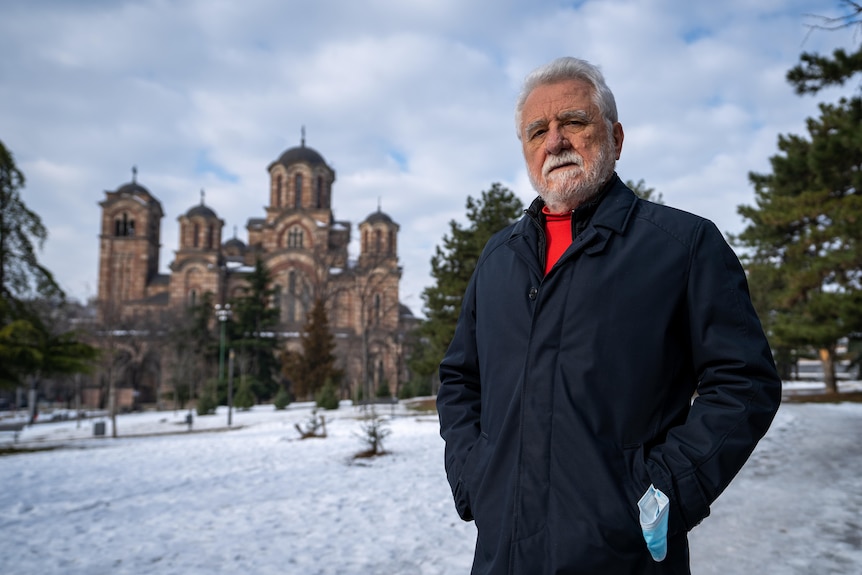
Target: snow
{"type": "Point", "coordinates": [255, 499]}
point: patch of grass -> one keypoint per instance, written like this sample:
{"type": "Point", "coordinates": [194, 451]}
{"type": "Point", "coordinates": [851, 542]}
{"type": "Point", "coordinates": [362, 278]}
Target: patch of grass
{"type": "Point", "coordinates": [11, 450]}
{"type": "Point", "coordinates": [851, 396]}
{"type": "Point", "coordinates": [423, 405]}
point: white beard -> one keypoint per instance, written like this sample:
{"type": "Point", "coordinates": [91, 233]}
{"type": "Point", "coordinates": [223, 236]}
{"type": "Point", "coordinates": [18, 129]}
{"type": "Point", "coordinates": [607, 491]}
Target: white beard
{"type": "Point", "coordinates": [573, 186]}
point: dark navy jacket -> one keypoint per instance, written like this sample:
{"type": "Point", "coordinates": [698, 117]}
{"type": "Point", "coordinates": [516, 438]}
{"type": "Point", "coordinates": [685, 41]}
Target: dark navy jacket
{"type": "Point", "coordinates": [563, 397]}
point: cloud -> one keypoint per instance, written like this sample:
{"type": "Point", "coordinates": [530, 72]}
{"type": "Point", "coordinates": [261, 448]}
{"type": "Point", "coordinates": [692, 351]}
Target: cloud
{"type": "Point", "coordinates": [411, 103]}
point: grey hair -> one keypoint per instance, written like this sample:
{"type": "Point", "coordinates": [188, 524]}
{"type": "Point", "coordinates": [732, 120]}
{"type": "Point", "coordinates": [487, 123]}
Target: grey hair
{"type": "Point", "coordinates": [567, 68]}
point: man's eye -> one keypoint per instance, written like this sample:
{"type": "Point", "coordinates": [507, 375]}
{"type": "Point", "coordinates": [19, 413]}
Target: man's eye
{"type": "Point", "coordinates": [535, 134]}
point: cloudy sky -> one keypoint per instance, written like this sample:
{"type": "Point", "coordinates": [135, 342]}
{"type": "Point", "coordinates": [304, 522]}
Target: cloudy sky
{"type": "Point", "coordinates": [410, 101]}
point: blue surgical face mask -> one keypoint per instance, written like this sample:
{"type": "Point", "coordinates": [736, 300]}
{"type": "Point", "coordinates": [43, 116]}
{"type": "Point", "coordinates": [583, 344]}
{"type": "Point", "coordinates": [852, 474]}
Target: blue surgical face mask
{"type": "Point", "coordinates": [654, 510]}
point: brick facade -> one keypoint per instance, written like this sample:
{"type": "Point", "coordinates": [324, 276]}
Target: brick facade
{"type": "Point", "coordinates": [300, 242]}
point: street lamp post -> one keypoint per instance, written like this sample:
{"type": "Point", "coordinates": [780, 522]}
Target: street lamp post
{"type": "Point", "coordinates": [223, 314]}
{"type": "Point", "coordinates": [230, 388]}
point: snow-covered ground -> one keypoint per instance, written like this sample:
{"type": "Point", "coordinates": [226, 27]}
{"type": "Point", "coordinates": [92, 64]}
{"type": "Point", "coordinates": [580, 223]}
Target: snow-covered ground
{"type": "Point", "coordinates": [257, 500]}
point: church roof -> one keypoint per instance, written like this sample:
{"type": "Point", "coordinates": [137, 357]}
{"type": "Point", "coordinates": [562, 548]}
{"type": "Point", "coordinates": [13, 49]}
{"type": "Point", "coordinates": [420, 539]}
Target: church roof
{"type": "Point", "coordinates": [378, 217]}
{"type": "Point", "coordinates": [235, 243]}
{"type": "Point", "coordinates": [301, 154]}
{"type": "Point", "coordinates": [134, 189]}
{"type": "Point", "coordinates": [141, 194]}
{"type": "Point", "coordinates": [201, 210]}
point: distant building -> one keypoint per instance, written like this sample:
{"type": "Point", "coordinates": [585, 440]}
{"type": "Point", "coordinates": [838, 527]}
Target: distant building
{"type": "Point", "coordinates": [299, 241]}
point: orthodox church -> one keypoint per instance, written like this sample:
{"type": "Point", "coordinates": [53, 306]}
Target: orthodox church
{"type": "Point", "coordinates": [297, 239]}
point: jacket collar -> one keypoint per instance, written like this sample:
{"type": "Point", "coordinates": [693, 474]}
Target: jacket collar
{"type": "Point", "coordinates": [615, 206]}
{"type": "Point", "coordinates": [613, 214]}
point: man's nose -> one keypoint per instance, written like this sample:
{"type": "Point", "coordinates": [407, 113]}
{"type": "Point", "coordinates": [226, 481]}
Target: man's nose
{"type": "Point", "coordinates": [556, 141]}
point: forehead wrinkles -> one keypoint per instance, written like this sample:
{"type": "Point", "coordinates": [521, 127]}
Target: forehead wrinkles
{"type": "Point", "coordinates": [547, 101]}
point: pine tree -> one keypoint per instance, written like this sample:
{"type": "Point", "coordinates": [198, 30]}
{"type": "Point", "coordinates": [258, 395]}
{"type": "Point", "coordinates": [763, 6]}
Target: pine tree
{"type": "Point", "coordinates": [804, 240]}
{"type": "Point", "coordinates": [253, 333]}
{"type": "Point", "coordinates": [312, 369]}
{"type": "Point", "coordinates": [244, 398]}
{"type": "Point", "coordinates": [644, 192]}
{"type": "Point", "coordinates": [452, 266]}
{"type": "Point", "coordinates": [31, 347]}
{"type": "Point", "coordinates": [21, 235]}
{"type": "Point", "coordinates": [815, 72]}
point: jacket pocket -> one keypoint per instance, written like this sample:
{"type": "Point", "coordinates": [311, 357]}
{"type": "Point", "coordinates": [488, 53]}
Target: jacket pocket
{"type": "Point", "coordinates": [464, 491]}
{"type": "Point", "coordinates": [637, 477]}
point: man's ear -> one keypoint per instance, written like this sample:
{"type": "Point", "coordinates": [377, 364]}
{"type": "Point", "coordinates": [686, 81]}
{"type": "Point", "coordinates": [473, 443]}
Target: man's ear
{"type": "Point", "coordinates": [618, 138]}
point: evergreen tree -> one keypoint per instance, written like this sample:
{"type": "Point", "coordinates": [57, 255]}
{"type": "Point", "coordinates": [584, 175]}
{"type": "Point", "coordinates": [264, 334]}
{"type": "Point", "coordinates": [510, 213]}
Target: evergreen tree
{"type": "Point", "coordinates": [327, 398]}
{"type": "Point", "coordinates": [804, 239]}
{"type": "Point", "coordinates": [30, 345]}
{"type": "Point", "coordinates": [21, 234]}
{"type": "Point", "coordinates": [452, 266]}
{"type": "Point", "coordinates": [244, 398]}
{"type": "Point", "coordinates": [282, 398]}
{"type": "Point", "coordinates": [253, 331]}
{"type": "Point", "coordinates": [312, 369]}
{"type": "Point", "coordinates": [644, 192]}
{"type": "Point", "coordinates": [815, 72]}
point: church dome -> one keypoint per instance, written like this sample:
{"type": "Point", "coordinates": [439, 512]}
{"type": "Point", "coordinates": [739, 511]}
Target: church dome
{"type": "Point", "coordinates": [138, 191]}
{"type": "Point", "coordinates": [235, 244]}
{"type": "Point", "coordinates": [301, 154]}
{"type": "Point", "coordinates": [378, 217]}
{"type": "Point", "coordinates": [133, 189]}
{"type": "Point", "coordinates": [201, 210]}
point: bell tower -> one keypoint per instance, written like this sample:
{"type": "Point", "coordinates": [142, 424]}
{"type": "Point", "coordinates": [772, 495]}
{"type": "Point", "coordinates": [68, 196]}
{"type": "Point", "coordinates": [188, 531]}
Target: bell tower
{"type": "Point", "coordinates": [128, 243]}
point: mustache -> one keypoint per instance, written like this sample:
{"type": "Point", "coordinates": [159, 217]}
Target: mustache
{"type": "Point", "coordinates": [567, 157]}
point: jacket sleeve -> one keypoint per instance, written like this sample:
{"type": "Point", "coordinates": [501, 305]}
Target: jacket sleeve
{"type": "Point", "coordinates": [738, 389]}
{"type": "Point", "coordinates": [459, 400]}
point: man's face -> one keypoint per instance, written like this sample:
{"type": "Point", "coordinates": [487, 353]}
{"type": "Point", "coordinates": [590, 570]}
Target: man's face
{"type": "Point", "coordinates": [569, 150]}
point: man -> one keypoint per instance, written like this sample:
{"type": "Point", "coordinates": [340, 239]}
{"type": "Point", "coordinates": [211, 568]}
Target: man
{"type": "Point", "coordinates": [608, 376]}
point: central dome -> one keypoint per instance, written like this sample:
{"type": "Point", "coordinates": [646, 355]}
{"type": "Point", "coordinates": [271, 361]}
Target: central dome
{"type": "Point", "coordinates": [301, 154]}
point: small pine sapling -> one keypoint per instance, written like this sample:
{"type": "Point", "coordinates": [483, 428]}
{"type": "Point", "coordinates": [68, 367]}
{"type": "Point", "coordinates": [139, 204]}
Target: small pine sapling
{"type": "Point", "coordinates": [373, 430]}
{"type": "Point", "coordinates": [282, 398]}
{"type": "Point", "coordinates": [315, 426]}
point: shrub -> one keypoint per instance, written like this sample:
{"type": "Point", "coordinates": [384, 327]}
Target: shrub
{"type": "Point", "coordinates": [244, 398]}
{"type": "Point", "coordinates": [374, 430]}
{"type": "Point", "coordinates": [383, 390]}
{"type": "Point", "coordinates": [282, 398]}
{"type": "Point", "coordinates": [314, 427]}
{"type": "Point", "coordinates": [207, 402]}
{"type": "Point", "coordinates": [327, 398]}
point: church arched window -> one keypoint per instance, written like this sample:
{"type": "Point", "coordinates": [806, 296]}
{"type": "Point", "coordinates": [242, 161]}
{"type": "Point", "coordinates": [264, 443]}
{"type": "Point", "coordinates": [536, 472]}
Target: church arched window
{"type": "Point", "coordinates": [291, 299]}
{"type": "Point", "coordinates": [278, 190]}
{"type": "Point", "coordinates": [294, 237]}
{"type": "Point", "coordinates": [124, 226]}
{"type": "Point", "coordinates": [297, 300]}
{"type": "Point", "coordinates": [297, 198]}
{"type": "Point", "coordinates": [377, 308]}
{"type": "Point", "coordinates": [276, 296]}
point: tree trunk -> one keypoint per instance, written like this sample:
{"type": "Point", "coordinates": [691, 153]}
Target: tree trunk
{"type": "Point", "coordinates": [827, 360]}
